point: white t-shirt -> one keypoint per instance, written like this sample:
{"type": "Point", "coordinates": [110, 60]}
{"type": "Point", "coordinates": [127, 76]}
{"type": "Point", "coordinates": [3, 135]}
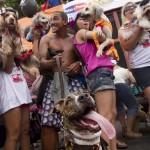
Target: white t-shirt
{"type": "Point", "coordinates": [140, 56]}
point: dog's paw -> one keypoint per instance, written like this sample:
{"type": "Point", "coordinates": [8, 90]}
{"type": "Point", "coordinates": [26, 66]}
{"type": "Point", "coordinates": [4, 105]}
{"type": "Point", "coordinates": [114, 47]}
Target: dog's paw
{"type": "Point", "coordinates": [99, 52]}
{"type": "Point", "coordinates": [7, 51]}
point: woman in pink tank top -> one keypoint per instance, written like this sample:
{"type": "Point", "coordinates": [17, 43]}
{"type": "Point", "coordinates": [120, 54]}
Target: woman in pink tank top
{"type": "Point", "coordinates": [99, 70]}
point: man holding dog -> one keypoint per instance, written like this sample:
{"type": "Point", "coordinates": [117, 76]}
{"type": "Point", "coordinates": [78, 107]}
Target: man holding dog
{"type": "Point", "coordinates": [57, 44]}
{"type": "Point", "coordinates": [1, 63]}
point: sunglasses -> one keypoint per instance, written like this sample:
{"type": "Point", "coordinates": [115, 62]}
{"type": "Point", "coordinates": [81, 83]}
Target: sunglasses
{"type": "Point", "coordinates": [83, 15]}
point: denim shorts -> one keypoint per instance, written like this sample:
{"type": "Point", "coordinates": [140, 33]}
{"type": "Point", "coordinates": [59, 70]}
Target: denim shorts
{"type": "Point", "coordinates": [100, 79]}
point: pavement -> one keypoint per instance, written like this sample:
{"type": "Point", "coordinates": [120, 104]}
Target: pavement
{"type": "Point", "coordinates": [142, 143]}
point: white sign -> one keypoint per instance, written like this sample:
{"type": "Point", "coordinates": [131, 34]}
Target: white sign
{"type": "Point", "coordinates": [73, 7]}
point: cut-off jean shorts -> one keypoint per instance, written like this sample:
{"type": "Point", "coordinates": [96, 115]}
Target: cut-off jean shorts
{"type": "Point", "coordinates": [100, 79]}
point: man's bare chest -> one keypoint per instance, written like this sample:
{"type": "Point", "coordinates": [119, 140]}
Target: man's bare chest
{"type": "Point", "coordinates": [63, 45]}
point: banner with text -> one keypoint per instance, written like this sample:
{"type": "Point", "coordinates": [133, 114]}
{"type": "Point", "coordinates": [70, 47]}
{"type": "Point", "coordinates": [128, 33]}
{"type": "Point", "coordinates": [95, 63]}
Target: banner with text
{"type": "Point", "coordinates": [73, 7]}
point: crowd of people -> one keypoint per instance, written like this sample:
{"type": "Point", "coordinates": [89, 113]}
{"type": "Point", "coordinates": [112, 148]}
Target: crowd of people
{"type": "Point", "coordinates": [74, 54]}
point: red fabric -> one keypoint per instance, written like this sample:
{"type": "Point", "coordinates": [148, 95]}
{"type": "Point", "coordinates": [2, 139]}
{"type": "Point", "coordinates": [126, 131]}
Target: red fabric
{"type": "Point", "coordinates": [44, 6]}
{"type": "Point", "coordinates": [25, 55]}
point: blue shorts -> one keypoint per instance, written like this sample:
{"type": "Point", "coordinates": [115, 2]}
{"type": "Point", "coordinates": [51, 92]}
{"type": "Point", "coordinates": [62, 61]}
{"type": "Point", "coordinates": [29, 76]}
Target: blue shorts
{"type": "Point", "coordinates": [100, 79]}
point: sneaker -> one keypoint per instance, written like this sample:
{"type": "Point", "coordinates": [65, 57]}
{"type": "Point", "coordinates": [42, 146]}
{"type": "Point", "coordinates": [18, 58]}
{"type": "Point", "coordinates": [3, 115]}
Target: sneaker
{"type": "Point", "coordinates": [121, 145]}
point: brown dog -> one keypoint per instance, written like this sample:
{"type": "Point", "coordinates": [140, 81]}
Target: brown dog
{"type": "Point", "coordinates": [10, 36]}
{"type": "Point", "coordinates": [79, 131]}
{"type": "Point", "coordinates": [102, 26]}
{"type": "Point", "coordinates": [28, 61]}
{"type": "Point", "coordinates": [142, 13]}
{"type": "Point", "coordinates": [40, 25]}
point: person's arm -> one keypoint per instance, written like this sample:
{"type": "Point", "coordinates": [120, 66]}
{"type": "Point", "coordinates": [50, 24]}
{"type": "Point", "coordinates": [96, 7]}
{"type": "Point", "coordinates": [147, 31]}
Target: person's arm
{"type": "Point", "coordinates": [74, 68]}
{"type": "Point", "coordinates": [45, 63]}
{"type": "Point", "coordinates": [129, 36]}
{"type": "Point", "coordinates": [36, 41]}
{"type": "Point", "coordinates": [83, 35]}
{"type": "Point", "coordinates": [131, 77]}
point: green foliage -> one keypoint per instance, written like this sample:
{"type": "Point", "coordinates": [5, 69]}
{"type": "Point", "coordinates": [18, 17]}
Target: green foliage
{"type": "Point", "coordinates": [12, 3]}
{"type": "Point", "coordinates": [15, 4]}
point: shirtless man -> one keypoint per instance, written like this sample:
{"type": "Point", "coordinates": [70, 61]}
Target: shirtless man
{"type": "Point", "coordinates": [1, 63]}
{"type": "Point", "coordinates": [57, 39]}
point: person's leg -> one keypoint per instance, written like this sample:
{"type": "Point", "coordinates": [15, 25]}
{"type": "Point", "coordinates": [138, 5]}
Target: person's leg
{"type": "Point", "coordinates": [50, 120]}
{"type": "Point", "coordinates": [49, 138]}
{"type": "Point", "coordinates": [12, 121]}
{"type": "Point", "coordinates": [122, 119]}
{"type": "Point", "coordinates": [141, 116]}
{"type": "Point", "coordinates": [106, 106]}
{"type": "Point", "coordinates": [121, 114]}
{"type": "Point", "coordinates": [24, 137]}
{"type": "Point", "coordinates": [132, 111]}
{"type": "Point", "coordinates": [147, 95]}
{"type": "Point", "coordinates": [144, 82]}
{"type": "Point", "coordinates": [125, 97]}
{"type": "Point", "coordinates": [121, 144]}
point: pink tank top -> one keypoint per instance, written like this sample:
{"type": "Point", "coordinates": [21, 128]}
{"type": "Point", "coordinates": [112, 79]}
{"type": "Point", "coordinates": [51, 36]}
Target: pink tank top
{"type": "Point", "coordinates": [88, 51]}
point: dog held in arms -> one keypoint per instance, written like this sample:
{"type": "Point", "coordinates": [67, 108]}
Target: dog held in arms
{"type": "Point", "coordinates": [102, 25]}
{"type": "Point", "coordinates": [10, 37]}
{"type": "Point", "coordinates": [13, 44]}
{"type": "Point", "coordinates": [142, 18]}
{"type": "Point", "coordinates": [28, 61]}
{"type": "Point", "coordinates": [142, 13]}
{"type": "Point", "coordinates": [82, 125]}
{"type": "Point", "coordinates": [40, 24]}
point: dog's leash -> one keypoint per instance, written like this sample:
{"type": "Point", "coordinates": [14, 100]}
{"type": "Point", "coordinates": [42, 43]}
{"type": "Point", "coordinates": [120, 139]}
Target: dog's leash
{"type": "Point", "coordinates": [60, 76]}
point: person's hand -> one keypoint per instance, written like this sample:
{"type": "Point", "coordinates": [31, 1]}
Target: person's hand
{"type": "Point", "coordinates": [74, 68]}
{"type": "Point", "coordinates": [36, 33]}
{"type": "Point", "coordinates": [52, 62]}
{"type": "Point", "coordinates": [98, 31]}
{"type": "Point", "coordinates": [100, 34]}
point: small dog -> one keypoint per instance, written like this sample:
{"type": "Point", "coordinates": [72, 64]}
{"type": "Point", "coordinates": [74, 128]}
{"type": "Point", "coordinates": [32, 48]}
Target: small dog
{"type": "Point", "coordinates": [102, 25]}
{"type": "Point", "coordinates": [10, 35]}
{"type": "Point", "coordinates": [142, 13]}
{"type": "Point", "coordinates": [40, 24]}
{"type": "Point", "coordinates": [28, 61]}
{"type": "Point", "coordinates": [80, 130]}
{"type": "Point", "coordinates": [142, 18]}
